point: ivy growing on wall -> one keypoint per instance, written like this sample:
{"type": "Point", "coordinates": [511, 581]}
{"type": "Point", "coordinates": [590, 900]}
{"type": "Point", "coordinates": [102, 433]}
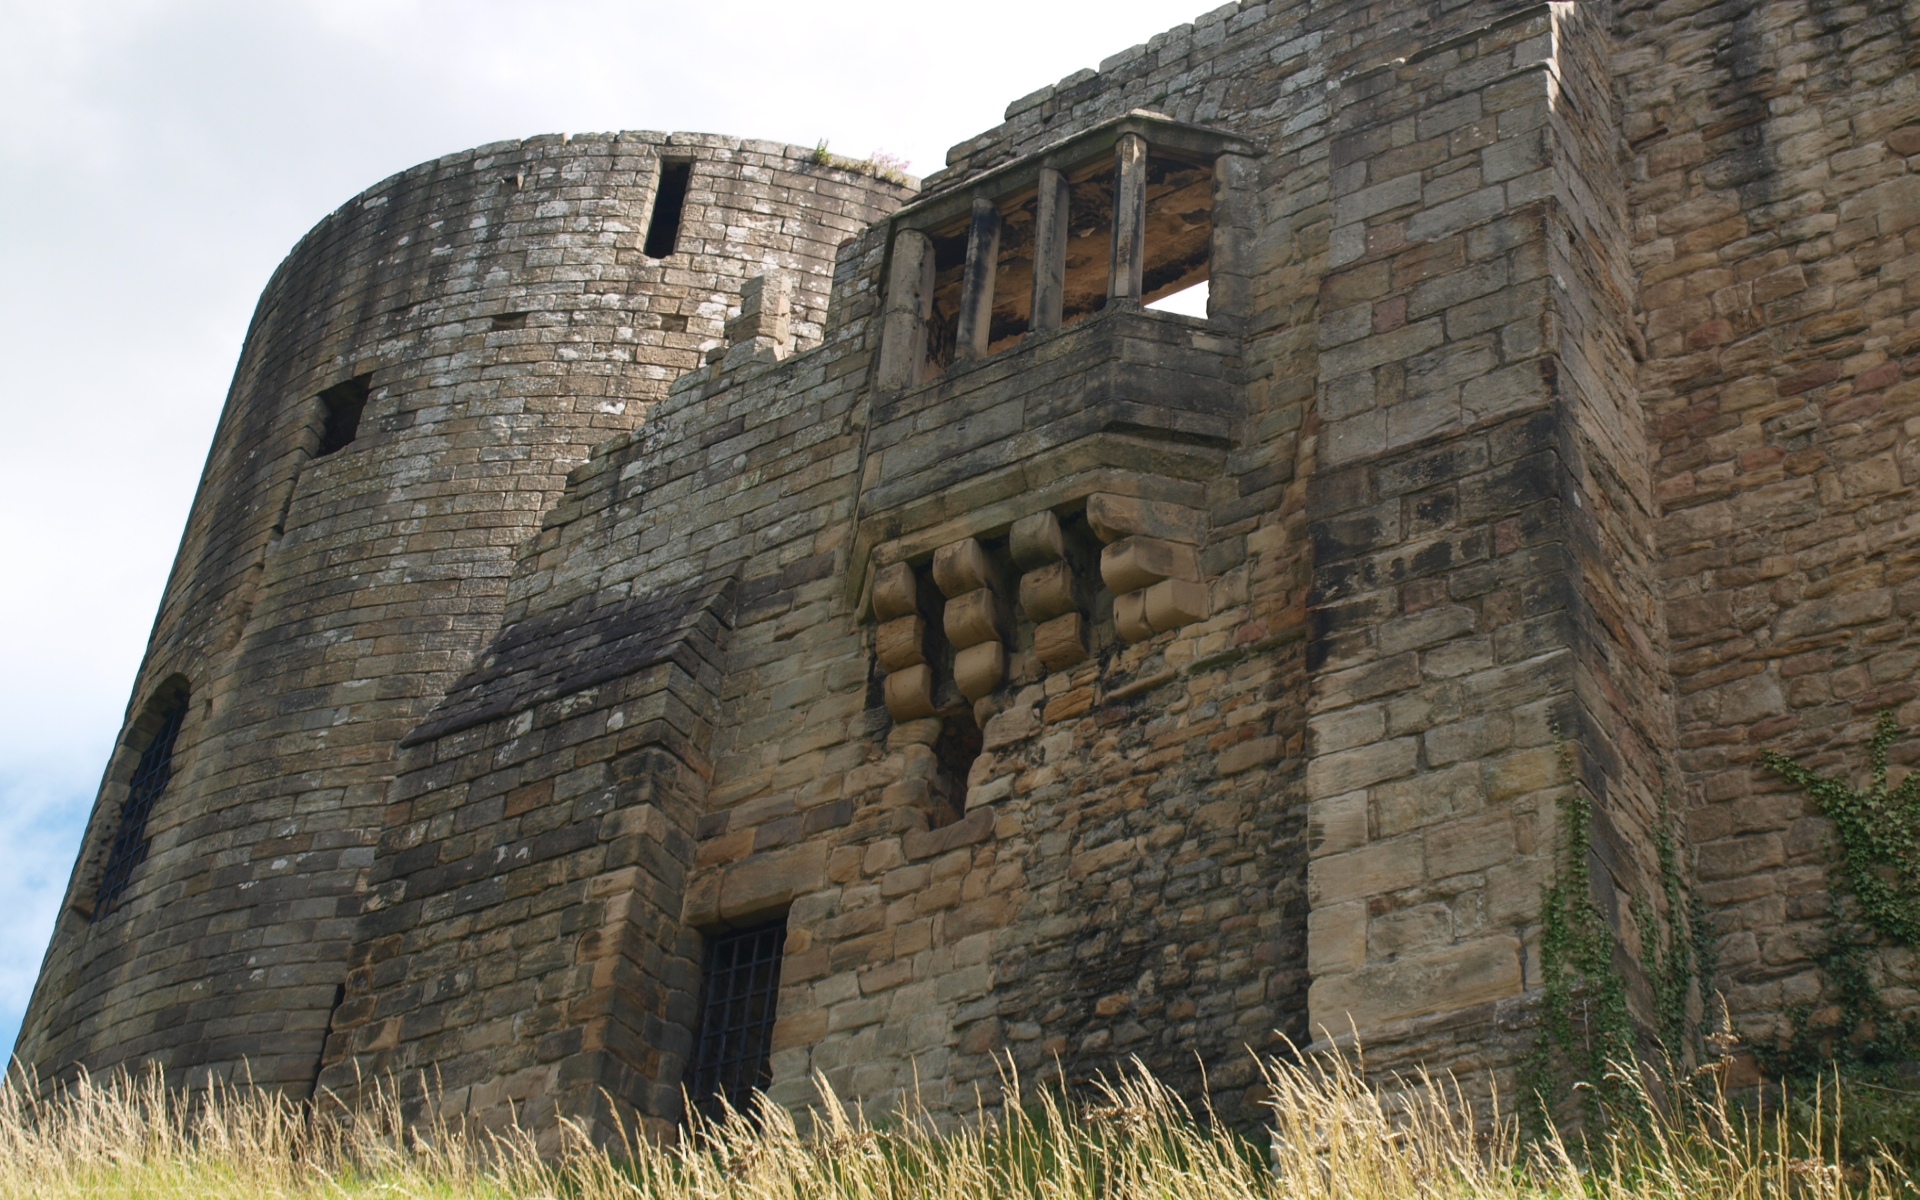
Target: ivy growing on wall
{"type": "Point", "coordinates": [1860, 1031]}
{"type": "Point", "coordinates": [1879, 834]}
{"type": "Point", "coordinates": [1876, 891]}
{"type": "Point", "coordinates": [1585, 1025]}
{"type": "Point", "coordinates": [1676, 945]}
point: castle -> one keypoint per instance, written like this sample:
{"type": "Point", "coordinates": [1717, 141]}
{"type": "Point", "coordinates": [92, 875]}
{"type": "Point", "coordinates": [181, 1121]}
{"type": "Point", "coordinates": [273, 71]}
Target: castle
{"type": "Point", "coordinates": [674, 611]}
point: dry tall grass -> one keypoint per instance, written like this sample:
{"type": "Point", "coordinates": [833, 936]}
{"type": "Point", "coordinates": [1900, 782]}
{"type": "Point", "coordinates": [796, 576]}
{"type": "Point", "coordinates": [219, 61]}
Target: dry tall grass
{"type": "Point", "coordinates": [1332, 1138]}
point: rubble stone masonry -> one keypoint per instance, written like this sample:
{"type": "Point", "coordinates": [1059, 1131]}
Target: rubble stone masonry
{"type": "Point", "coordinates": [1075, 685]}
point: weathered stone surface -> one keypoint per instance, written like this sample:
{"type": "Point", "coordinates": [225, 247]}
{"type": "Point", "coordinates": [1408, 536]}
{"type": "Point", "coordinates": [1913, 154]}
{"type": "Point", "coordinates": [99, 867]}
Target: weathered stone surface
{"type": "Point", "coordinates": [768, 882]}
{"type": "Point", "coordinates": [1487, 446]}
{"type": "Point", "coordinates": [1061, 642]}
{"type": "Point", "coordinates": [1172, 603]}
{"type": "Point", "coordinates": [1036, 540]}
{"type": "Point", "coordinates": [1137, 562]}
{"type": "Point", "coordinates": [979, 668]}
{"type": "Point", "coordinates": [1048, 592]}
{"type": "Point", "coordinates": [972, 617]}
{"type": "Point", "coordinates": [1457, 976]}
{"type": "Point", "coordinates": [901, 643]}
{"type": "Point", "coordinates": [895, 592]}
{"type": "Point", "coordinates": [1114, 517]}
{"type": "Point", "coordinates": [1130, 617]}
{"type": "Point", "coordinates": [910, 693]}
{"type": "Point", "coordinates": [962, 567]}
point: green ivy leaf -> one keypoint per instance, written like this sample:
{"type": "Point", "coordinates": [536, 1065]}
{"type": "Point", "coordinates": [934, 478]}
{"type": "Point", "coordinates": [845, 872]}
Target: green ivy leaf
{"type": "Point", "coordinates": [1879, 833]}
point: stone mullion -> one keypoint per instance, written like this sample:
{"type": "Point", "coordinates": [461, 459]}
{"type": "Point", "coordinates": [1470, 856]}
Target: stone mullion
{"type": "Point", "coordinates": [1127, 265]}
{"type": "Point", "coordinates": [909, 304]}
{"type": "Point", "coordinates": [1052, 207]}
{"type": "Point", "coordinates": [976, 284]}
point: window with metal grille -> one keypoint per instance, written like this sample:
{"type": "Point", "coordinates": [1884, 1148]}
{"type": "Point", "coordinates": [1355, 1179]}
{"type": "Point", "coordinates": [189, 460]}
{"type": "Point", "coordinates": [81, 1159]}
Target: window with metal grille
{"type": "Point", "coordinates": [149, 780]}
{"type": "Point", "coordinates": [740, 993]}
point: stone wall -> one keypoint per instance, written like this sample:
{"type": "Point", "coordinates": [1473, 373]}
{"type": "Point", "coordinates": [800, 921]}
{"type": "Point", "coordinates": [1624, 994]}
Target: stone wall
{"type": "Point", "coordinates": [1497, 471]}
{"type": "Point", "coordinates": [1127, 873]}
{"type": "Point", "coordinates": [500, 307]}
{"type": "Point", "coordinates": [1775, 213]}
{"type": "Point", "coordinates": [526, 939]}
{"type": "Point", "coordinates": [1481, 519]}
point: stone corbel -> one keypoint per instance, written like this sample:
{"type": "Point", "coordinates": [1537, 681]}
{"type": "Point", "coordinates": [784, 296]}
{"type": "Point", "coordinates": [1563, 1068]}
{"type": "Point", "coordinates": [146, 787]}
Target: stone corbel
{"type": "Point", "coordinates": [901, 644]}
{"type": "Point", "coordinates": [975, 617]}
{"type": "Point", "coordinates": [1049, 594]}
{"type": "Point", "coordinates": [1151, 563]}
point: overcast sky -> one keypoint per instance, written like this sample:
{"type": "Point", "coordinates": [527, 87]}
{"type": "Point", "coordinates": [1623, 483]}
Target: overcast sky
{"type": "Point", "coordinates": [158, 160]}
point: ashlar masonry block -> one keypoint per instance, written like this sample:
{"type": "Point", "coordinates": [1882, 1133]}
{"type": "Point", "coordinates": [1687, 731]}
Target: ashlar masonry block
{"type": "Point", "coordinates": [1462, 406]}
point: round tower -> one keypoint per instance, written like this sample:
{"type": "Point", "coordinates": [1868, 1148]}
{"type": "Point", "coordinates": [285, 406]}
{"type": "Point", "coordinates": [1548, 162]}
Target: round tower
{"type": "Point", "coordinates": [419, 377]}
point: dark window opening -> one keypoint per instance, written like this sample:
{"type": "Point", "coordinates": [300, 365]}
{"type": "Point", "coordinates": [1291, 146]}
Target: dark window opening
{"type": "Point", "coordinates": [1089, 240]}
{"type": "Point", "coordinates": [1175, 257]}
{"type": "Point", "coordinates": [949, 266]}
{"type": "Point", "coordinates": [959, 744]}
{"type": "Point", "coordinates": [1179, 227]}
{"type": "Point", "coordinates": [340, 409]}
{"type": "Point", "coordinates": [673, 323]}
{"type": "Point", "coordinates": [739, 995]}
{"type": "Point", "coordinates": [1013, 274]}
{"type": "Point", "coordinates": [663, 231]}
{"type": "Point", "coordinates": [509, 320]}
{"type": "Point", "coordinates": [150, 775]}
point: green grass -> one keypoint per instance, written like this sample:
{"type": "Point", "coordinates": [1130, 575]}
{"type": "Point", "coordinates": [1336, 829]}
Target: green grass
{"type": "Point", "coordinates": [1330, 1137]}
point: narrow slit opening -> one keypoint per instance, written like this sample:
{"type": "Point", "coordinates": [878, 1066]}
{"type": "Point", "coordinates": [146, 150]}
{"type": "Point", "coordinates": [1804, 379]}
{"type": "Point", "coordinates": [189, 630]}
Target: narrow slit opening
{"type": "Point", "coordinates": [155, 732]}
{"type": "Point", "coordinates": [663, 230]}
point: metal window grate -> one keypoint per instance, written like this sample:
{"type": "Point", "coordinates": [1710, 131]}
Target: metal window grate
{"type": "Point", "coordinates": [741, 992]}
{"type": "Point", "coordinates": [130, 839]}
